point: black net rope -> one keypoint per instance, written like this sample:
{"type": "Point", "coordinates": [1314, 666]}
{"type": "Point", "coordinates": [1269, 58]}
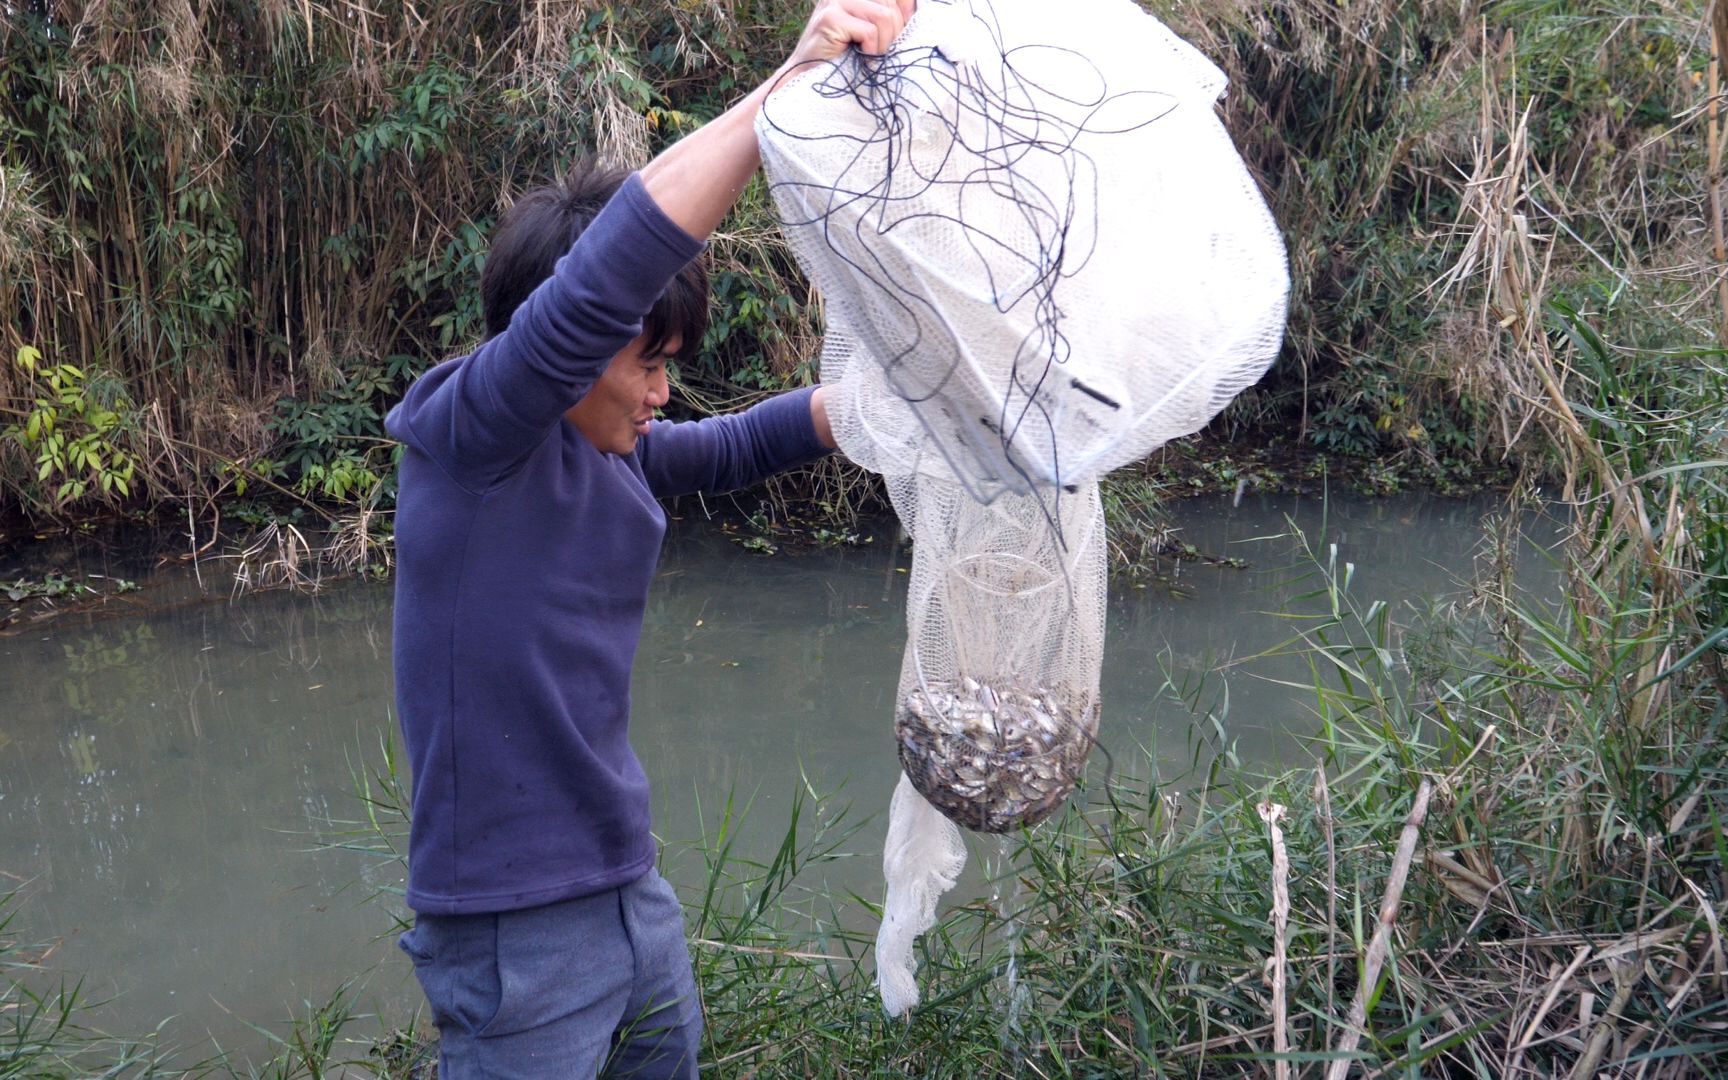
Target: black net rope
{"type": "Point", "coordinates": [1000, 125]}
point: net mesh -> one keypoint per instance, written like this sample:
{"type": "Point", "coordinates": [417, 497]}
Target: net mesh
{"type": "Point", "coordinates": [1041, 258]}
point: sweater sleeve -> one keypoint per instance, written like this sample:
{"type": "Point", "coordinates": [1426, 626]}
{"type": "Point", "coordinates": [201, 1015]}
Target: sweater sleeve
{"type": "Point", "coordinates": [480, 414]}
{"type": "Point", "coordinates": [723, 453]}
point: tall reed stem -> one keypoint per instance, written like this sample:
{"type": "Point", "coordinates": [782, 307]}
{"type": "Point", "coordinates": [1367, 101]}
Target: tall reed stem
{"type": "Point", "coordinates": [1713, 138]}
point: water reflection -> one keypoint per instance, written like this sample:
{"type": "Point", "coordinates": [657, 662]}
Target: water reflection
{"type": "Point", "coordinates": [159, 782]}
{"type": "Point", "coordinates": [162, 776]}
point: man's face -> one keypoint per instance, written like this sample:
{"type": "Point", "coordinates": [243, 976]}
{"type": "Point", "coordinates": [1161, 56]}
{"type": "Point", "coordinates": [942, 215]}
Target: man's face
{"type": "Point", "coordinates": [616, 410]}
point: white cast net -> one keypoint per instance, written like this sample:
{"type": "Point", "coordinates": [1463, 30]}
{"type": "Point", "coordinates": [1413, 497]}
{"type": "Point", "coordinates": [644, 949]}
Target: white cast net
{"type": "Point", "coordinates": [1041, 258]}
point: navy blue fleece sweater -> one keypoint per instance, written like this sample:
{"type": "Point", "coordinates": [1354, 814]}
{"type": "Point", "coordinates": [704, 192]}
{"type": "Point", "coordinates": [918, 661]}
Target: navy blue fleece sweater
{"type": "Point", "coordinates": [524, 561]}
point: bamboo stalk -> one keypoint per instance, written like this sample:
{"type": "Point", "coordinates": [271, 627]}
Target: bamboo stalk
{"type": "Point", "coordinates": [1323, 800]}
{"type": "Point", "coordinates": [1380, 946]}
{"type": "Point", "coordinates": [1272, 813]}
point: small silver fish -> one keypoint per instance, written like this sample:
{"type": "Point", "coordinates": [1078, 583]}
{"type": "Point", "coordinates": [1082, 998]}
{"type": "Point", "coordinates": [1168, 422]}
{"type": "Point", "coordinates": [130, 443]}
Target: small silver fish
{"type": "Point", "coordinates": [994, 754]}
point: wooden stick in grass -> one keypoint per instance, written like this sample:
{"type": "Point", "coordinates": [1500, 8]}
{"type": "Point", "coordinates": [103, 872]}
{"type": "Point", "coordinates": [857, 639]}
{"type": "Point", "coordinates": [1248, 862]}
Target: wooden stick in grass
{"type": "Point", "coordinates": [1381, 944]}
{"type": "Point", "coordinates": [1271, 813]}
{"type": "Point", "coordinates": [1626, 975]}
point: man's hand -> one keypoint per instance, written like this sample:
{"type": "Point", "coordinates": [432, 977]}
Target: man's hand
{"type": "Point", "coordinates": [837, 25]}
{"type": "Point", "coordinates": [697, 179]}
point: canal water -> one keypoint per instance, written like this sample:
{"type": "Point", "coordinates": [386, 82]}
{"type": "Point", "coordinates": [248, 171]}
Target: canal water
{"type": "Point", "coordinates": [173, 768]}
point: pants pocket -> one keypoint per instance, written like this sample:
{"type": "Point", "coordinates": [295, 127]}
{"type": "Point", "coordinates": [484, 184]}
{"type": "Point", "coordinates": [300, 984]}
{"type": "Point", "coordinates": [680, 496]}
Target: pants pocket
{"type": "Point", "coordinates": [558, 961]}
{"type": "Point", "coordinates": [410, 943]}
{"type": "Point", "coordinates": [455, 961]}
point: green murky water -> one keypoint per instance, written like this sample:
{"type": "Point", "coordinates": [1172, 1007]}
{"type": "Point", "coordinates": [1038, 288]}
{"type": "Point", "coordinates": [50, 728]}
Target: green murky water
{"type": "Point", "coordinates": [168, 765]}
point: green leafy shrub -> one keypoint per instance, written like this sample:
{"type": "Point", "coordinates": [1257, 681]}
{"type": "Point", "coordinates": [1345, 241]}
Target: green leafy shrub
{"type": "Point", "coordinates": [76, 437]}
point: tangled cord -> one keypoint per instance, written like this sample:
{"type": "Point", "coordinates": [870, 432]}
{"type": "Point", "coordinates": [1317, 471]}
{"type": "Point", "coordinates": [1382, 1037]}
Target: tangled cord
{"type": "Point", "coordinates": [992, 128]}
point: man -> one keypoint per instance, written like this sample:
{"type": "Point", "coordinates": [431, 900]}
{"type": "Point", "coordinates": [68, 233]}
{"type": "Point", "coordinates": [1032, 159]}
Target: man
{"type": "Point", "coordinates": [527, 536]}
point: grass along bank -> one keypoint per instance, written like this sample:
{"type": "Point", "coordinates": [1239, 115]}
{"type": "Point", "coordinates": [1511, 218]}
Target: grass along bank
{"type": "Point", "coordinates": [1506, 859]}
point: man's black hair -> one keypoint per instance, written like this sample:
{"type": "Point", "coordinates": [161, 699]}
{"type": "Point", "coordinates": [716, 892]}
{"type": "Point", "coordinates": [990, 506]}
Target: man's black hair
{"type": "Point", "coordinates": [540, 227]}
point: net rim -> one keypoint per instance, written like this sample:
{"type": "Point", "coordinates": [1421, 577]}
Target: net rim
{"type": "Point", "coordinates": [957, 574]}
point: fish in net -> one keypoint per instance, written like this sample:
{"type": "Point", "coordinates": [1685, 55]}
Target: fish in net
{"type": "Point", "coordinates": [1040, 257]}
